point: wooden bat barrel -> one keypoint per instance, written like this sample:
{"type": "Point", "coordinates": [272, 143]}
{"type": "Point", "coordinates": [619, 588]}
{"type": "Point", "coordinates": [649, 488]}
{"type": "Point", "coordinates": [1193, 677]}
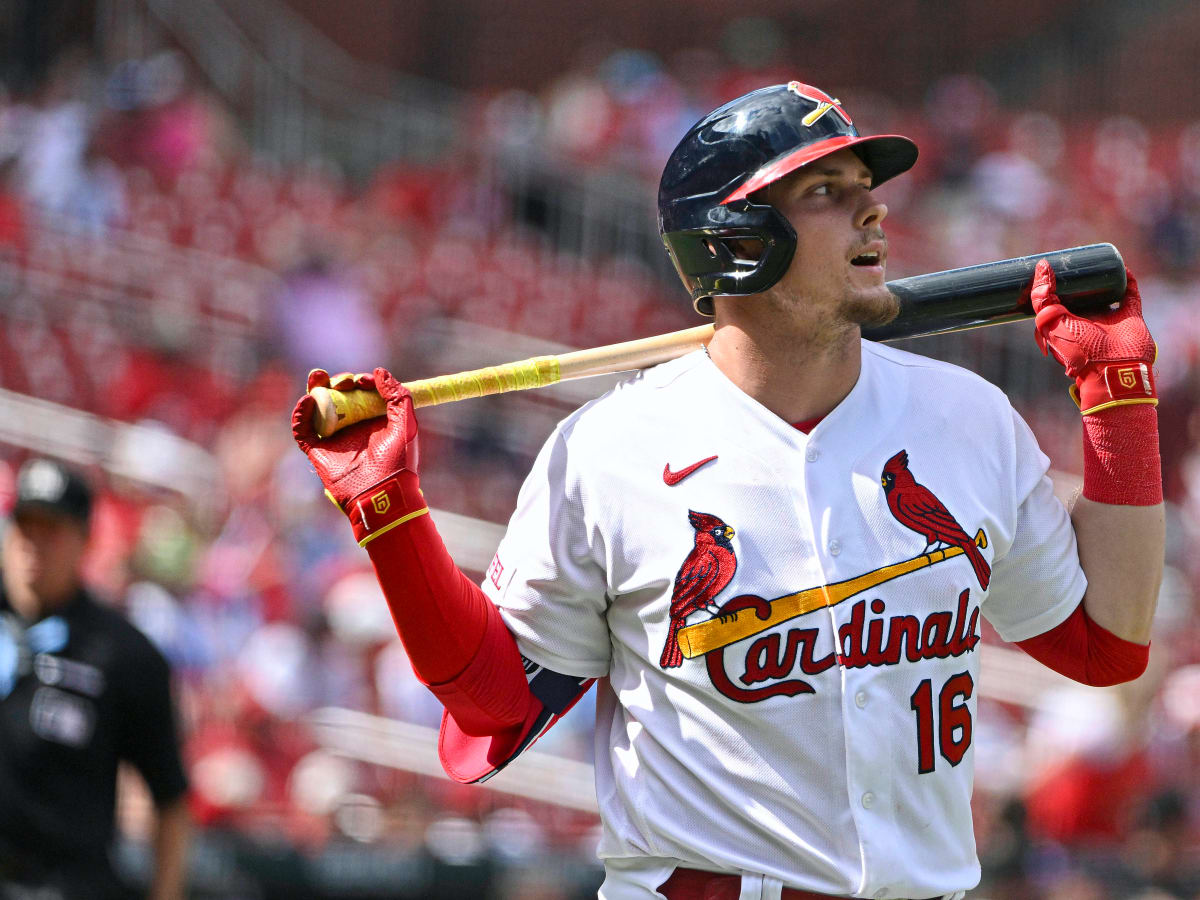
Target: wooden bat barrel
{"type": "Point", "coordinates": [1088, 278]}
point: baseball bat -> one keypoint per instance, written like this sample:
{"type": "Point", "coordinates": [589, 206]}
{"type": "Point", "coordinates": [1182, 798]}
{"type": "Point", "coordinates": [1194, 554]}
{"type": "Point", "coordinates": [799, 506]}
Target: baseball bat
{"type": "Point", "coordinates": [1089, 279]}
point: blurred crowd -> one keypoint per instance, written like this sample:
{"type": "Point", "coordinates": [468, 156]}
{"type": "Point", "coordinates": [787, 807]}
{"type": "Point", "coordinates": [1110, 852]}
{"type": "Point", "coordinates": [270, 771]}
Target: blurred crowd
{"type": "Point", "coordinates": [154, 270]}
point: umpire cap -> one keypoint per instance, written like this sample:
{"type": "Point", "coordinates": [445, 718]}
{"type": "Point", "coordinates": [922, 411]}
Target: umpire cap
{"type": "Point", "coordinates": [47, 486]}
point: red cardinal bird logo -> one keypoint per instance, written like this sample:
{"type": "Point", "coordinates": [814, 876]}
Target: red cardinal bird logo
{"type": "Point", "coordinates": [703, 575]}
{"type": "Point", "coordinates": [916, 507]}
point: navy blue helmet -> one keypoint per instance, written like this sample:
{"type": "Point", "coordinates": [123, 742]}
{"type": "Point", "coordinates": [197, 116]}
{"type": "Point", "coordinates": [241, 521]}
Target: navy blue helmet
{"type": "Point", "coordinates": [704, 196]}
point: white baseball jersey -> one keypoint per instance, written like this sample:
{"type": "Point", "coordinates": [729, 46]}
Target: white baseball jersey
{"type": "Point", "coordinates": [788, 623]}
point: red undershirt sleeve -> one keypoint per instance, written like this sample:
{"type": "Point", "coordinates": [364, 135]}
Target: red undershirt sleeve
{"type": "Point", "coordinates": [496, 702]}
{"type": "Point", "coordinates": [1087, 652]}
{"type": "Point", "coordinates": [455, 637]}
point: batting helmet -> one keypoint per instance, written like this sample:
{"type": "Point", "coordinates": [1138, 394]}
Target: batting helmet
{"type": "Point", "coordinates": [704, 196]}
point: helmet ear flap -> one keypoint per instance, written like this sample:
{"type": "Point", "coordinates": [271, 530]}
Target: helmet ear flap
{"type": "Point", "coordinates": [708, 251]}
{"type": "Point", "coordinates": [708, 264]}
{"type": "Point", "coordinates": [730, 262]}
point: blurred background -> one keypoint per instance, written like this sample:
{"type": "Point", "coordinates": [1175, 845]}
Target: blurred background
{"type": "Point", "coordinates": [202, 199]}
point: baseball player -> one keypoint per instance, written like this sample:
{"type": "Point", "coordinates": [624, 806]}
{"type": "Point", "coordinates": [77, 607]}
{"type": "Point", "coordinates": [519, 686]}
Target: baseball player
{"type": "Point", "coordinates": [773, 555]}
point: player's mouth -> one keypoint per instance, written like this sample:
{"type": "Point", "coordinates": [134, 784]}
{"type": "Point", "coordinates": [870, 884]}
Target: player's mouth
{"type": "Point", "coordinates": [871, 258]}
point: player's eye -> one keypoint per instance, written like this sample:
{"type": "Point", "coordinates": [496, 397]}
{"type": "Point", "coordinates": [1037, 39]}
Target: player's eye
{"type": "Point", "coordinates": [824, 189]}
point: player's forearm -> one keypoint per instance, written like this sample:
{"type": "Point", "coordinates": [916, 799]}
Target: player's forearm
{"type": "Point", "coordinates": [172, 835]}
{"type": "Point", "coordinates": [1119, 521]}
{"type": "Point", "coordinates": [456, 639]}
{"type": "Point", "coordinates": [437, 611]}
{"type": "Point", "coordinates": [1121, 552]}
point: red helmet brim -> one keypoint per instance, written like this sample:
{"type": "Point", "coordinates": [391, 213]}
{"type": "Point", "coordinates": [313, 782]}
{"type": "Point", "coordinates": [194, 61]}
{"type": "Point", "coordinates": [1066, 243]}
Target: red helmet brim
{"type": "Point", "coordinates": [886, 155]}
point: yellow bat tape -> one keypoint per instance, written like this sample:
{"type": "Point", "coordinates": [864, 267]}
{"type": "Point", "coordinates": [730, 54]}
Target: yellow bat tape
{"type": "Point", "coordinates": [337, 409]}
{"type": "Point", "coordinates": [712, 634]}
{"type": "Point", "coordinates": [341, 408]}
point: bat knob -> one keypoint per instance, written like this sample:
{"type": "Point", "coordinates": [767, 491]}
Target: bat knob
{"type": "Point", "coordinates": [338, 409]}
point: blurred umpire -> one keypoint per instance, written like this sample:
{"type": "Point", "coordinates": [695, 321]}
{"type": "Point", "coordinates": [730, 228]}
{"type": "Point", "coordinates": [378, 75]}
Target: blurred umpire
{"type": "Point", "coordinates": [80, 690]}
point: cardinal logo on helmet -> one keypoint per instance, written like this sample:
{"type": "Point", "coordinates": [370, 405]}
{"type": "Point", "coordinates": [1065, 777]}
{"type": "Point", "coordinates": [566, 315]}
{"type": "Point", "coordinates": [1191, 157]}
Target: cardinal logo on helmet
{"type": "Point", "coordinates": [824, 102]}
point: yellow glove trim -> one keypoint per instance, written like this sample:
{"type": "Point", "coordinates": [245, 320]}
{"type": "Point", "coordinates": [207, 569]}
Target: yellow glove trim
{"type": "Point", "coordinates": [1074, 392]}
{"type": "Point", "coordinates": [1153, 401]}
{"type": "Point", "coordinates": [388, 527]}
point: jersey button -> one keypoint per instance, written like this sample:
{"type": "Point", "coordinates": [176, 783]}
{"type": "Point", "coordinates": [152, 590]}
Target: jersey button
{"type": "Point", "coordinates": [868, 800]}
{"type": "Point", "coordinates": [811, 454]}
{"type": "Point", "coordinates": [860, 699]}
{"type": "Point", "coordinates": [835, 547]}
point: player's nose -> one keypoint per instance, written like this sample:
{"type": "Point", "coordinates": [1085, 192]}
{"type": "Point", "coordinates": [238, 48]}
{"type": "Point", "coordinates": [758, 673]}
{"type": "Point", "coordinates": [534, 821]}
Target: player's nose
{"type": "Point", "coordinates": [870, 212]}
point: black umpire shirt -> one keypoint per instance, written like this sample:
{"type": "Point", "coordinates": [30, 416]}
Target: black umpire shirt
{"type": "Point", "coordinates": [79, 691]}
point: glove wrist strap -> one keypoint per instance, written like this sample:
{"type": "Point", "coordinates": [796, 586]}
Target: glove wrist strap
{"type": "Point", "coordinates": [1120, 383]}
{"type": "Point", "coordinates": [385, 506]}
{"type": "Point", "coordinates": [1120, 456]}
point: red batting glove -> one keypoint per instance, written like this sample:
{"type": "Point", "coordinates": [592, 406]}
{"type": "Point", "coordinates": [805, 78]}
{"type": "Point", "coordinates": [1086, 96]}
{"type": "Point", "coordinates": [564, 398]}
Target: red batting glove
{"type": "Point", "coordinates": [1110, 356]}
{"type": "Point", "coordinates": [369, 469]}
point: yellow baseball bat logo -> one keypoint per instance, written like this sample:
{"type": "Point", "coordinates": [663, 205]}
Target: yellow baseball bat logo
{"type": "Point", "coordinates": [721, 631]}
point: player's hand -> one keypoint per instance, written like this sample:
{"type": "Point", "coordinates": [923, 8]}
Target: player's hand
{"type": "Point", "coordinates": [1110, 356]}
{"type": "Point", "coordinates": [356, 459]}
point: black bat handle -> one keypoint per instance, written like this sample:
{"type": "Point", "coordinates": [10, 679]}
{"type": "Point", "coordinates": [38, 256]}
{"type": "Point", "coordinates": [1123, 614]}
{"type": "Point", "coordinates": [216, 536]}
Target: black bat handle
{"type": "Point", "coordinates": [1089, 278]}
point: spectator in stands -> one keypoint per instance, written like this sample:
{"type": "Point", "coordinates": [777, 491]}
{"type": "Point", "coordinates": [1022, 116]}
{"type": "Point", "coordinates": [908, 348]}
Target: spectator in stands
{"type": "Point", "coordinates": [80, 690]}
{"type": "Point", "coordinates": [322, 313]}
{"type": "Point", "coordinates": [158, 118]}
{"type": "Point", "coordinates": [53, 138]}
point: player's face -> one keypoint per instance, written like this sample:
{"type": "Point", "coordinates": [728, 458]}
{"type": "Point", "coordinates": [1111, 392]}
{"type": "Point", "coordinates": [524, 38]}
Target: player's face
{"type": "Point", "coordinates": [837, 271]}
{"type": "Point", "coordinates": [42, 553]}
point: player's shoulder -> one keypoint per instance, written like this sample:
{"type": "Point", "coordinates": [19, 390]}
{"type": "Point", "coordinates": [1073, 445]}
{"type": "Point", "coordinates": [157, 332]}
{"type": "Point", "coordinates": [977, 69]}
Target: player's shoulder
{"type": "Point", "coordinates": [926, 373]}
{"type": "Point", "coordinates": [641, 399]}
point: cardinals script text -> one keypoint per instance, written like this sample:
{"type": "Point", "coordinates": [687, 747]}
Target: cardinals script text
{"type": "Point", "coordinates": [861, 641]}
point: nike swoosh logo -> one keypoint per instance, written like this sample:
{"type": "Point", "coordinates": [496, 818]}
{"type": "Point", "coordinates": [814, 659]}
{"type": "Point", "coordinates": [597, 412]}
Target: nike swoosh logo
{"type": "Point", "coordinates": [673, 478]}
